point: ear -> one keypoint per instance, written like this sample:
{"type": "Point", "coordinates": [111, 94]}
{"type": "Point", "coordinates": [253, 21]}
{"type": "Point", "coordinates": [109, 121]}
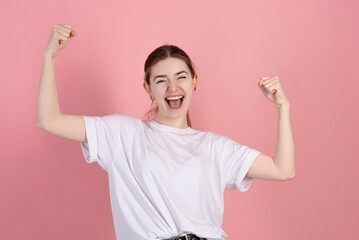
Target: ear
{"type": "Point", "coordinates": [146, 87]}
{"type": "Point", "coordinates": [194, 81]}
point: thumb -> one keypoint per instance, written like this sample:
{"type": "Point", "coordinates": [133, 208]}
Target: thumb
{"type": "Point", "coordinates": [72, 34]}
{"type": "Point", "coordinates": [262, 88]}
{"type": "Point", "coordinates": [260, 83]}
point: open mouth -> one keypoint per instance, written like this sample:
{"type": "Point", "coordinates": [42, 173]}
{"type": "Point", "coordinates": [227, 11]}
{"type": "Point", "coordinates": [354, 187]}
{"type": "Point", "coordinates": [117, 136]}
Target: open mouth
{"type": "Point", "coordinates": [175, 103]}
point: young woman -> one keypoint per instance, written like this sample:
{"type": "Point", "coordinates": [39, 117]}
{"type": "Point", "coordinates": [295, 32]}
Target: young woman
{"type": "Point", "coordinates": [166, 179]}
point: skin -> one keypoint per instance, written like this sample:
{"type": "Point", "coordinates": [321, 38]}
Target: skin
{"type": "Point", "coordinates": [172, 84]}
{"type": "Point", "coordinates": [280, 167]}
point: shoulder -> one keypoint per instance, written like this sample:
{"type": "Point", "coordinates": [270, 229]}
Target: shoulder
{"type": "Point", "coordinates": [128, 123]}
{"type": "Point", "coordinates": [213, 138]}
{"type": "Point", "coordinates": [123, 117]}
{"type": "Point", "coordinates": [223, 143]}
{"type": "Point", "coordinates": [118, 118]}
{"type": "Point", "coordinates": [216, 136]}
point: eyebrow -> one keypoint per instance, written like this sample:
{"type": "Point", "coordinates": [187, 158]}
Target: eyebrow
{"type": "Point", "coordinates": [165, 75]}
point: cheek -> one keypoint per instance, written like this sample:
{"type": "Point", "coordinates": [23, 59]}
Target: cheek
{"type": "Point", "coordinates": [187, 86]}
{"type": "Point", "coordinates": [188, 97]}
{"type": "Point", "coordinates": [159, 90]}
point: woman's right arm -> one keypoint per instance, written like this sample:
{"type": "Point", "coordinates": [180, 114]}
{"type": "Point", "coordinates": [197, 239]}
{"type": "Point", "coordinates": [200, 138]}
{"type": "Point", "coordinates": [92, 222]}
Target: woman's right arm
{"type": "Point", "coordinates": [49, 117]}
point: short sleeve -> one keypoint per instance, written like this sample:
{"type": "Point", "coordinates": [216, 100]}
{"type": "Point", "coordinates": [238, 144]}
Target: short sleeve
{"type": "Point", "coordinates": [102, 140]}
{"type": "Point", "coordinates": [236, 161]}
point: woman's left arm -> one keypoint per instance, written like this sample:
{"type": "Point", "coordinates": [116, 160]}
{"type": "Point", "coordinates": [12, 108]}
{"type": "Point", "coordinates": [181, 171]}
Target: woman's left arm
{"type": "Point", "coordinates": [282, 165]}
{"type": "Point", "coordinates": [284, 157]}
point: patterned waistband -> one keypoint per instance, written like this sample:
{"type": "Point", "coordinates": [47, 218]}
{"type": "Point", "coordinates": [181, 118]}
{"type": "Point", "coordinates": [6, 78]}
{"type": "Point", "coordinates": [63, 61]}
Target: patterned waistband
{"type": "Point", "coordinates": [185, 236]}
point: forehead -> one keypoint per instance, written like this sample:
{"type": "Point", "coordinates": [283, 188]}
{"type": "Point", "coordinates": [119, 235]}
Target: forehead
{"type": "Point", "coordinates": [168, 66]}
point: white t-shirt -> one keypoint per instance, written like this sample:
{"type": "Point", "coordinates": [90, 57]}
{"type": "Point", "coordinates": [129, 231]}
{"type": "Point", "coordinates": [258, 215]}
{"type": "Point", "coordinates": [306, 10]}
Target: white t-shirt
{"type": "Point", "coordinates": [164, 180]}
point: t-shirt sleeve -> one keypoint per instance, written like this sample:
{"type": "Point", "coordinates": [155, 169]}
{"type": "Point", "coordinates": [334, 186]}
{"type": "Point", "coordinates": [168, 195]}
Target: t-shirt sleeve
{"type": "Point", "coordinates": [236, 161]}
{"type": "Point", "coordinates": [102, 139]}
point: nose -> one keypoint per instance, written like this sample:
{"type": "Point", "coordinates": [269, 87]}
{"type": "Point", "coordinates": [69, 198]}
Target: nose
{"type": "Point", "coordinates": [172, 86]}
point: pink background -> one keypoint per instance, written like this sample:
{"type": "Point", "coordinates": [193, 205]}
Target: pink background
{"type": "Point", "coordinates": [47, 189]}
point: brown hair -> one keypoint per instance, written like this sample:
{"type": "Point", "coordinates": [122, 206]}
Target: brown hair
{"type": "Point", "coordinates": [161, 53]}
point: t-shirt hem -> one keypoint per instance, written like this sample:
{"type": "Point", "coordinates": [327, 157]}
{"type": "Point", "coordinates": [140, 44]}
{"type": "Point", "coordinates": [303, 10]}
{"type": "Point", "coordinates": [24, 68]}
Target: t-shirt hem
{"type": "Point", "coordinates": [243, 182]}
{"type": "Point", "coordinates": [89, 149]}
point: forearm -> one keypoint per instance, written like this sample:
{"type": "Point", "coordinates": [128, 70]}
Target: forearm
{"type": "Point", "coordinates": [284, 156]}
{"type": "Point", "coordinates": [47, 100]}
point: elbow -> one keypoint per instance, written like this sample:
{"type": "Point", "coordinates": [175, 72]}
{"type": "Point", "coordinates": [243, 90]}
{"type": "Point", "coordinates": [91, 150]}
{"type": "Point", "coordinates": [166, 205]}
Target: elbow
{"type": "Point", "coordinates": [289, 176]}
{"type": "Point", "coordinates": [39, 125]}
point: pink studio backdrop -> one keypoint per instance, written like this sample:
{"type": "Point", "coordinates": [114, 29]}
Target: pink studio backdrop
{"type": "Point", "coordinates": [48, 191]}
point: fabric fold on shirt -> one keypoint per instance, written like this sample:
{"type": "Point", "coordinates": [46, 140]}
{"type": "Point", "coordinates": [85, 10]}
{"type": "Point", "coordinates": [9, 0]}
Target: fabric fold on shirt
{"type": "Point", "coordinates": [164, 180]}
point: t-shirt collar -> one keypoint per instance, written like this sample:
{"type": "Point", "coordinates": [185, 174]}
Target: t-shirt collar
{"type": "Point", "coordinates": [169, 128]}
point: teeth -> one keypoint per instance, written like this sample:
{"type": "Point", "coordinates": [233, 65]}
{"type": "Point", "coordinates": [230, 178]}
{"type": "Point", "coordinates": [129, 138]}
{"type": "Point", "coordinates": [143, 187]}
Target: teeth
{"type": "Point", "coordinates": [174, 98]}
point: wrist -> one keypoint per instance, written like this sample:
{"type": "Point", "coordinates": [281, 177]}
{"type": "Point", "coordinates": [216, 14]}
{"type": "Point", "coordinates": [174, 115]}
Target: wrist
{"type": "Point", "coordinates": [284, 105]}
{"type": "Point", "coordinates": [46, 54]}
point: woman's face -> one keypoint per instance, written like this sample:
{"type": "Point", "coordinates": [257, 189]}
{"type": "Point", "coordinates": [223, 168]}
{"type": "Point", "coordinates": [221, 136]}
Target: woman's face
{"type": "Point", "coordinates": [169, 78]}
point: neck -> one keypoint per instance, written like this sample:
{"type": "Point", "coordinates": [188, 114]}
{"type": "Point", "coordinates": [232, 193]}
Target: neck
{"type": "Point", "coordinates": [180, 122]}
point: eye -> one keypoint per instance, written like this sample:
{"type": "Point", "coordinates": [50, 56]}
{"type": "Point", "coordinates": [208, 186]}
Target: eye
{"type": "Point", "coordinates": [181, 77]}
{"type": "Point", "coordinates": [160, 81]}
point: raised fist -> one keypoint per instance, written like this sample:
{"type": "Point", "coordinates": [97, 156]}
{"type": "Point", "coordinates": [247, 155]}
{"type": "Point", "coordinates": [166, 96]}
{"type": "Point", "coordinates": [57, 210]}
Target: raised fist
{"type": "Point", "coordinates": [61, 35]}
